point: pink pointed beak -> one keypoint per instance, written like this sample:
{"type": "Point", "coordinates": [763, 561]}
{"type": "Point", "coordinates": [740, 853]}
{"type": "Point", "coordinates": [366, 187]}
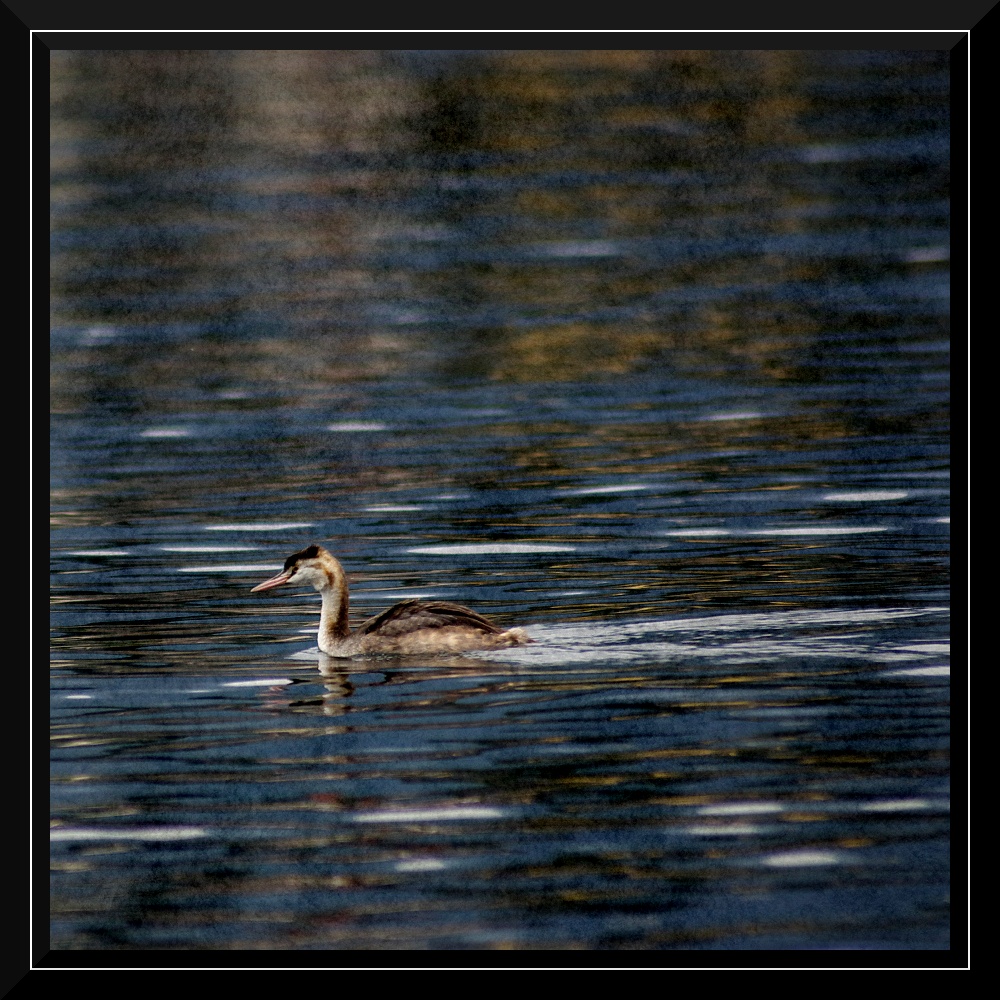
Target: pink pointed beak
{"type": "Point", "coordinates": [275, 581]}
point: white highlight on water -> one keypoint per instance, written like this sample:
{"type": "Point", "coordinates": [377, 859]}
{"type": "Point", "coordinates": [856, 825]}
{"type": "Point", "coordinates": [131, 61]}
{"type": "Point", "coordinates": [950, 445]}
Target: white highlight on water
{"type": "Point", "coordinates": [270, 526]}
{"type": "Point", "coordinates": [826, 530]}
{"type": "Point", "coordinates": [698, 532]}
{"type": "Point", "coordinates": [802, 859]}
{"type": "Point", "coordinates": [420, 865]}
{"type": "Point", "coordinates": [98, 335]}
{"type": "Point", "coordinates": [938, 671]}
{"type": "Point", "coordinates": [862, 496]}
{"type": "Point", "coordinates": [748, 415]}
{"type": "Point", "coordinates": [489, 548]}
{"type": "Point", "coordinates": [589, 490]}
{"type": "Point", "coordinates": [897, 805]}
{"type": "Point", "coordinates": [740, 809]}
{"type": "Point", "coordinates": [228, 568]}
{"type": "Point", "coordinates": [138, 833]}
{"type": "Point", "coordinates": [804, 530]}
{"type": "Point", "coordinates": [724, 830]}
{"type": "Point", "coordinates": [261, 682]}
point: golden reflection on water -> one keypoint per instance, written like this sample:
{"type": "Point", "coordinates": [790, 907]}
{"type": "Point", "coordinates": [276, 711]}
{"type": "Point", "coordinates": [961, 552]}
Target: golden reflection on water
{"type": "Point", "coordinates": [603, 114]}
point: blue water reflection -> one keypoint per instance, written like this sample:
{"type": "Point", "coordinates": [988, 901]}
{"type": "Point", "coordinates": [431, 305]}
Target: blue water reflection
{"type": "Point", "coordinates": [644, 351]}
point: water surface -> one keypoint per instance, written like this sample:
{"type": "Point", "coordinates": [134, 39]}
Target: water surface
{"type": "Point", "coordinates": [644, 351]}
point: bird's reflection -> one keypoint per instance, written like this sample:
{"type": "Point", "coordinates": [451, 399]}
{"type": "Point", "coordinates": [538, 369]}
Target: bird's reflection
{"type": "Point", "coordinates": [335, 677]}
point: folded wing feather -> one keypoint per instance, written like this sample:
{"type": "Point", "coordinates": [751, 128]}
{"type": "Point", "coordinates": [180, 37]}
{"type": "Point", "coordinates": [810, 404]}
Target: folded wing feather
{"type": "Point", "coordinates": [412, 616]}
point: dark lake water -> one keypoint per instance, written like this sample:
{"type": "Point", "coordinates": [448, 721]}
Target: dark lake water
{"type": "Point", "coordinates": [647, 352]}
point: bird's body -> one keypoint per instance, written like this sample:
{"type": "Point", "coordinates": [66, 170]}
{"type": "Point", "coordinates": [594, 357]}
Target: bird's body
{"type": "Point", "coordinates": [407, 627]}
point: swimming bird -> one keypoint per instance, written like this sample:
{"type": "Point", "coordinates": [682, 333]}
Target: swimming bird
{"type": "Point", "coordinates": [407, 627]}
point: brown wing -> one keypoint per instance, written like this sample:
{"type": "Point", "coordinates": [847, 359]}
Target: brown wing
{"type": "Point", "coordinates": [412, 616]}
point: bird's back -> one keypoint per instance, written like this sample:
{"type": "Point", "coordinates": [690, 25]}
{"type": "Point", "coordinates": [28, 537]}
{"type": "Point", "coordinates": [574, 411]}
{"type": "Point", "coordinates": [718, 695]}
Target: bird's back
{"type": "Point", "coordinates": [416, 616]}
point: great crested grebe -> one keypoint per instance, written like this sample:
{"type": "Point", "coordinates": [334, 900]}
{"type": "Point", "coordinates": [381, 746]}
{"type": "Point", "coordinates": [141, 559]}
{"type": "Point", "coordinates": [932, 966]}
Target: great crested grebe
{"type": "Point", "coordinates": [407, 627]}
